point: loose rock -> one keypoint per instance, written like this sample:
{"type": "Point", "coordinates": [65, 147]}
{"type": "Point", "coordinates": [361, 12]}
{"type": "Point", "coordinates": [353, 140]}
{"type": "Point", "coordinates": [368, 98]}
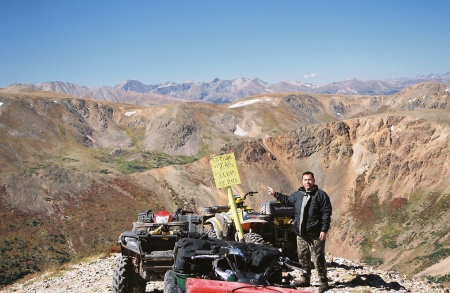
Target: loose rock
{"type": "Point", "coordinates": [344, 275]}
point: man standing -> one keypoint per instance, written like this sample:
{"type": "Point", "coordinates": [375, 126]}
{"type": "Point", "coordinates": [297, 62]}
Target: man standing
{"type": "Point", "coordinates": [312, 221]}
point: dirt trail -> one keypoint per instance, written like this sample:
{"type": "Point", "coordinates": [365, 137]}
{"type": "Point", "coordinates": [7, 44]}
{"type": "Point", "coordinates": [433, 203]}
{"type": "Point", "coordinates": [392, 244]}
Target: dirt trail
{"type": "Point", "coordinates": [345, 276]}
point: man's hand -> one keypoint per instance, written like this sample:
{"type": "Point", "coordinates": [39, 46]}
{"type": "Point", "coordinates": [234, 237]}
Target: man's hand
{"type": "Point", "coordinates": [323, 236]}
{"type": "Point", "coordinates": [271, 191]}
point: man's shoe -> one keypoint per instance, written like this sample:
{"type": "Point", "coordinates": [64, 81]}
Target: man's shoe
{"type": "Point", "coordinates": [323, 288]}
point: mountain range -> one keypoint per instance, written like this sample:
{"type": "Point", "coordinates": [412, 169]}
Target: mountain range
{"type": "Point", "coordinates": [225, 91]}
{"type": "Point", "coordinates": [75, 172]}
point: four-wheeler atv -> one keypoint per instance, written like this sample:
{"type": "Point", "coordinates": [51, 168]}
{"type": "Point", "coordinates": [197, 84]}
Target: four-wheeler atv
{"type": "Point", "coordinates": [147, 251]}
{"type": "Point", "coordinates": [150, 250]}
{"type": "Point", "coordinates": [273, 225]}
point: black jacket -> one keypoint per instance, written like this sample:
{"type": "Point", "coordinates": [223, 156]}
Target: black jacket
{"type": "Point", "coordinates": [317, 212]}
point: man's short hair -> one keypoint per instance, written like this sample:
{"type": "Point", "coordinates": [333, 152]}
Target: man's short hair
{"type": "Point", "coordinates": [308, 173]}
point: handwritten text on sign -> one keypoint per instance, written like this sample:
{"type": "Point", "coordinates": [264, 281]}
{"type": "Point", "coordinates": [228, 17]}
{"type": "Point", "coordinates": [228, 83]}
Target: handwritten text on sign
{"type": "Point", "coordinates": [225, 171]}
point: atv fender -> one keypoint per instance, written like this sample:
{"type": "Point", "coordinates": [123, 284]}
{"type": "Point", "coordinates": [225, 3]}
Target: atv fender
{"type": "Point", "coordinates": [227, 223]}
{"type": "Point", "coordinates": [246, 225]}
{"type": "Point", "coordinates": [211, 286]}
{"type": "Point", "coordinates": [217, 225]}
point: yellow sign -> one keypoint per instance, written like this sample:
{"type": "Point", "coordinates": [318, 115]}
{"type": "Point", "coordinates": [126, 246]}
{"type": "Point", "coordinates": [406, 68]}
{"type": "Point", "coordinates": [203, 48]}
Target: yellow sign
{"type": "Point", "coordinates": [225, 171]}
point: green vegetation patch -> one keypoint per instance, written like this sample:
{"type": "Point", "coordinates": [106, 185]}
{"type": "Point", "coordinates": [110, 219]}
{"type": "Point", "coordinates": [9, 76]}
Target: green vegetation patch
{"type": "Point", "coordinates": [432, 258]}
{"type": "Point", "coordinates": [373, 260]}
{"type": "Point", "coordinates": [382, 223]}
{"type": "Point", "coordinates": [135, 162]}
{"type": "Point", "coordinates": [34, 168]}
{"type": "Point", "coordinates": [69, 160]}
{"type": "Point", "coordinates": [137, 136]}
{"type": "Point", "coordinates": [20, 256]}
{"type": "Point", "coordinates": [389, 234]}
{"type": "Point", "coordinates": [17, 259]}
{"type": "Point", "coordinates": [434, 204]}
{"type": "Point", "coordinates": [440, 279]}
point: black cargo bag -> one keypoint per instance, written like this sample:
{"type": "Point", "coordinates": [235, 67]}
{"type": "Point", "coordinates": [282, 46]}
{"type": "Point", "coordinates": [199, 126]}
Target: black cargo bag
{"type": "Point", "coordinates": [263, 255]}
{"type": "Point", "coordinates": [186, 248]}
{"type": "Point", "coordinates": [258, 256]}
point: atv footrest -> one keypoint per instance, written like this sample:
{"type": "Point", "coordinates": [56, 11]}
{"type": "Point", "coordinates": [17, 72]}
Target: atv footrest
{"type": "Point", "coordinates": [157, 257]}
{"type": "Point", "coordinates": [159, 268]}
{"type": "Point", "coordinates": [159, 260]}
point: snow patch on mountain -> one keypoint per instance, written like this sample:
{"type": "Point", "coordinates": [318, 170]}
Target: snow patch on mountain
{"type": "Point", "coordinates": [244, 103]}
{"type": "Point", "coordinates": [239, 131]}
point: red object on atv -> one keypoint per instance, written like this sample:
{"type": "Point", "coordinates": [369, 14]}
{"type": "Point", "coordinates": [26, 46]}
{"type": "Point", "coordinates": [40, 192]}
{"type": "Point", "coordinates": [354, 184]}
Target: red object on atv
{"type": "Point", "coordinates": [162, 217]}
{"type": "Point", "coordinates": [211, 286]}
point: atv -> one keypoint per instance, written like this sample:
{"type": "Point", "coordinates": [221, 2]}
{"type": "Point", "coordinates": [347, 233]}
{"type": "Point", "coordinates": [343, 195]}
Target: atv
{"type": "Point", "coordinates": [273, 225]}
{"type": "Point", "coordinates": [147, 251]}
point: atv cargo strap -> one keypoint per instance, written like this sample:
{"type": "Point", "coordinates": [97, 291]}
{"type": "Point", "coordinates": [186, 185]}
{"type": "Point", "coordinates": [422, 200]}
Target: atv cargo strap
{"type": "Point", "coordinates": [211, 286]}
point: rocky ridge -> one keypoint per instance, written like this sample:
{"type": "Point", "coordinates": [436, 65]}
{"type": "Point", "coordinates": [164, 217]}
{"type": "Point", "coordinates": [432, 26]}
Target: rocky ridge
{"type": "Point", "coordinates": [345, 276]}
{"type": "Point", "coordinates": [225, 91]}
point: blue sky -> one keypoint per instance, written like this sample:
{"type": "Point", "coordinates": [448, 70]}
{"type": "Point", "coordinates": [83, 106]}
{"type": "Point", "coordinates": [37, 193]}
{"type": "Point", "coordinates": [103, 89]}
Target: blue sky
{"type": "Point", "coordinates": [104, 42]}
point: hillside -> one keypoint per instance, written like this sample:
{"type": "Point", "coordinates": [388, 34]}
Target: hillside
{"type": "Point", "coordinates": [76, 172]}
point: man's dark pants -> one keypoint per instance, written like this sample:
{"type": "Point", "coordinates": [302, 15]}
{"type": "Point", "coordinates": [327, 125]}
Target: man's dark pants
{"type": "Point", "coordinates": [308, 246]}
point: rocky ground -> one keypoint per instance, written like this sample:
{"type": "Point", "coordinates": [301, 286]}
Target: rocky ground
{"type": "Point", "coordinates": [345, 276]}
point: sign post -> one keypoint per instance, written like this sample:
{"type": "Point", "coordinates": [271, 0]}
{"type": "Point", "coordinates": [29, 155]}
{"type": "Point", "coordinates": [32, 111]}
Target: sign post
{"type": "Point", "coordinates": [226, 174]}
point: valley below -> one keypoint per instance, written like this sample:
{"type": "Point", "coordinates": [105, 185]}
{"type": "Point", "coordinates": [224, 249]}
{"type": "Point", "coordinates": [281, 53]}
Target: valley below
{"type": "Point", "coordinates": [75, 172]}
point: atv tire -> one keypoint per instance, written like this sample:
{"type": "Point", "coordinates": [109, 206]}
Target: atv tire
{"type": "Point", "coordinates": [170, 283]}
{"type": "Point", "coordinates": [252, 238]}
{"type": "Point", "coordinates": [125, 280]}
{"type": "Point", "coordinates": [210, 233]}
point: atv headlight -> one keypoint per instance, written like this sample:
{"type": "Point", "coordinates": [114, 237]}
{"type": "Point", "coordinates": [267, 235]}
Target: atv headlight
{"type": "Point", "coordinates": [130, 241]}
{"type": "Point", "coordinates": [162, 219]}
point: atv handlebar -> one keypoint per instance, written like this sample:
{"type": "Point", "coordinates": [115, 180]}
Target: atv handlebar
{"type": "Point", "coordinates": [250, 193]}
{"type": "Point", "coordinates": [187, 234]}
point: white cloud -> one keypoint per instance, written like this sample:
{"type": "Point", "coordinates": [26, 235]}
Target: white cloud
{"type": "Point", "coordinates": [1, 103]}
{"type": "Point", "coordinates": [309, 75]}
